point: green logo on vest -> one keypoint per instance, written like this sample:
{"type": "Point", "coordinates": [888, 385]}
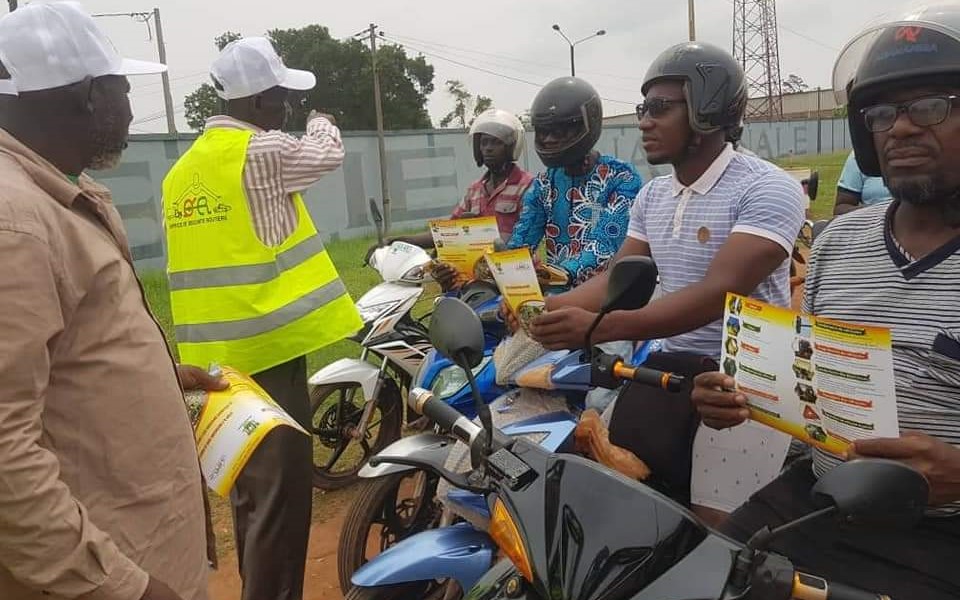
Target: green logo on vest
{"type": "Point", "coordinates": [198, 205]}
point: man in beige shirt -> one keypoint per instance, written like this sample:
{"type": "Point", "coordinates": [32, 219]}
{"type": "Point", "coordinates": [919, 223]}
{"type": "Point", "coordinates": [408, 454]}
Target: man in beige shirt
{"type": "Point", "coordinates": [100, 486]}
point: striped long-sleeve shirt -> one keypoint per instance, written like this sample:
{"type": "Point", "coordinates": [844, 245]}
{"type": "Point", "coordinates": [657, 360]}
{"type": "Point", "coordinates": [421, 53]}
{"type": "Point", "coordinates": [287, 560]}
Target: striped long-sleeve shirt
{"type": "Point", "coordinates": [280, 164]}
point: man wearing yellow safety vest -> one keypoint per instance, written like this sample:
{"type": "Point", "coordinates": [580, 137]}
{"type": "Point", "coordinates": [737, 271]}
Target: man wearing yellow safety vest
{"type": "Point", "coordinates": [252, 287]}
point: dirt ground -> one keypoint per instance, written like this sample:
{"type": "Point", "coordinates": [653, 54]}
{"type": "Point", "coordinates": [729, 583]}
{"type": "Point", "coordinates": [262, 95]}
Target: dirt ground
{"type": "Point", "coordinates": [320, 582]}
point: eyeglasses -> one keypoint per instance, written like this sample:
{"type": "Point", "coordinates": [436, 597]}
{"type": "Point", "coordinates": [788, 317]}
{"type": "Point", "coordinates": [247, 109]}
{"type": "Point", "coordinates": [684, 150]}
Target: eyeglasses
{"type": "Point", "coordinates": [923, 112]}
{"type": "Point", "coordinates": [656, 107]}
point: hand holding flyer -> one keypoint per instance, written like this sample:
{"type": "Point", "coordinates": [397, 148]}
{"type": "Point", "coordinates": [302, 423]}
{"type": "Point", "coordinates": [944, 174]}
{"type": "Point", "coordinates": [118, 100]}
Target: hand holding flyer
{"type": "Point", "coordinates": [229, 425]}
{"type": "Point", "coordinates": [462, 243]}
{"type": "Point", "coordinates": [517, 279]}
{"type": "Point", "coordinates": [822, 381]}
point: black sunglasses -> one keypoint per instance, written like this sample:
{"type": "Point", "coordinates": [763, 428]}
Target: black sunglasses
{"type": "Point", "coordinates": [923, 112]}
{"type": "Point", "coordinates": [656, 107]}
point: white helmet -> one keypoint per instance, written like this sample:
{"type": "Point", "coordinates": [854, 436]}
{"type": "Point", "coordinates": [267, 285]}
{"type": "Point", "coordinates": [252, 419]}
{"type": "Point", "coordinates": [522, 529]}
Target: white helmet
{"type": "Point", "coordinates": [503, 125]}
{"type": "Point", "coordinates": [401, 262]}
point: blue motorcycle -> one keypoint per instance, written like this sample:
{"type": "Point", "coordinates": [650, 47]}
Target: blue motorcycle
{"type": "Point", "coordinates": [441, 562]}
{"type": "Point", "coordinates": [399, 503]}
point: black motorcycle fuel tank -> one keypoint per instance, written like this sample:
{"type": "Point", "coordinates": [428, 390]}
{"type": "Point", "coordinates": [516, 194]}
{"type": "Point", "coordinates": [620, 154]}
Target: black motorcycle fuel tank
{"type": "Point", "coordinates": [593, 534]}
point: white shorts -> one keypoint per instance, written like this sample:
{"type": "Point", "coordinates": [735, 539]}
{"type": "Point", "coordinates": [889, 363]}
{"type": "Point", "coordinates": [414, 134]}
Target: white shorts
{"type": "Point", "coordinates": [730, 465]}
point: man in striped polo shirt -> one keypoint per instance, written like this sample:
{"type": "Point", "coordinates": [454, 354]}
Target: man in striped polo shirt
{"type": "Point", "coordinates": [724, 221]}
{"type": "Point", "coordinates": [895, 265]}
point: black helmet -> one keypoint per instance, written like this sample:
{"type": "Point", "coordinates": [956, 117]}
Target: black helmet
{"type": "Point", "coordinates": [714, 85]}
{"type": "Point", "coordinates": [921, 46]}
{"type": "Point", "coordinates": [563, 101]}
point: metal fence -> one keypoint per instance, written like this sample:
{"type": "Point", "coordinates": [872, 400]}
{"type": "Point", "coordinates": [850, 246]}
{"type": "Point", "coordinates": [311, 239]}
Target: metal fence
{"type": "Point", "coordinates": [427, 172]}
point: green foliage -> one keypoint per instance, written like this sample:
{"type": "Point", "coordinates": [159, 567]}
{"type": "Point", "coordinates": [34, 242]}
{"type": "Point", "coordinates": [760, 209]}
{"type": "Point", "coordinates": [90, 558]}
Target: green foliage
{"type": "Point", "coordinates": [344, 81]}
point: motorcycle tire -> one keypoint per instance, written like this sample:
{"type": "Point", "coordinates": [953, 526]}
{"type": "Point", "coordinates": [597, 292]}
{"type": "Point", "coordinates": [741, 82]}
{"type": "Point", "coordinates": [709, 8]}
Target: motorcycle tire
{"type": "Point", "coordinates": [367, 509]}
{"type": "Point", "coordinates": [390, 405]}
{"type": "Point", "coordinates": [417, 590]}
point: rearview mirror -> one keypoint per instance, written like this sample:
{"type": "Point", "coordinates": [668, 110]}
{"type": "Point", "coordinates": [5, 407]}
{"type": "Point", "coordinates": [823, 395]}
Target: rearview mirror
{"type": "Point", "coordinates": [818, 228]}
{"type": "Point", "coordinates": [812, 185]}
{"type": "Point", "coordinates": [377, 220]}
{"type": "Point", "coordinates": [874, 490]}
{"type": "Point", "coordinates": [632, 282]}
{"type": "Point", "coordinates": [456, 332]}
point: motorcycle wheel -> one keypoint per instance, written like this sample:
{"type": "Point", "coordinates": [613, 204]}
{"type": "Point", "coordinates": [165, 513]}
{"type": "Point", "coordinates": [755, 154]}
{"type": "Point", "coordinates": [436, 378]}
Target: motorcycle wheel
{"type": "Point", "coordinates": [336, 409]}
{"type": "Point", "coordinates": [417, 590]}
{"type": "Point", "coordinates": [386, 510]}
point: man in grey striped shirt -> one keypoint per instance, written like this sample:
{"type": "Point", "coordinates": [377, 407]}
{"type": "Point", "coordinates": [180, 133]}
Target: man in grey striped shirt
{"type": "Point", "coordinates": [894, 265]}
{"type": "Point", "coordinates": [724, 221]}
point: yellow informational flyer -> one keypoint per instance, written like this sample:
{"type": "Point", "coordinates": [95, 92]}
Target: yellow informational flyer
{"type": "Point", "coordinates": [462, 243]}
{"type": "Point", "coordinates": [517, 279]}
{"type": "Point", "coordinates": [229, 425]}
{"type": "Point", "coordinates": [822, 381]}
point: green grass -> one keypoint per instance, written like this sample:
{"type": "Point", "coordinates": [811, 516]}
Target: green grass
{"type": "Point", "coordinates": [829, 166]}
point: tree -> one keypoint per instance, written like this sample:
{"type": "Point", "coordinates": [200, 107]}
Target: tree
{"type": "Point", "coordinates": [483, 103]}
{"type": "Point", "coordinates": [461, 100]}
{"type": "Point", "coordinates": [200, 105]}
{"type": "Point", "coordinates": [344, 81]}
{"type": "Point", "coordinates": [794, 84]}
{"type": "Point", "coordinates": [464, 104]}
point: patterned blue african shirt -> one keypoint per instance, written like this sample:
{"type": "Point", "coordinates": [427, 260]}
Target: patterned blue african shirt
{"type": "Point", "coordinates": [584, 218]}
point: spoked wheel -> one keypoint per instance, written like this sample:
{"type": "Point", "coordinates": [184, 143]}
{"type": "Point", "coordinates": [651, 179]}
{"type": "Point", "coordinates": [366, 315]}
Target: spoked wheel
{"type": "Point", "coordinates": [387, 510]}
{"type": "Point", "coordinates": [338, 452]}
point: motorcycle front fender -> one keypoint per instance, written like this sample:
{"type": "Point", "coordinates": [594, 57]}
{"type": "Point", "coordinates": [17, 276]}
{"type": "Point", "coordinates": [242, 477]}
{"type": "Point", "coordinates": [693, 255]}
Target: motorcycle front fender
{"type": "Point", "coordinates": [427, 448]}
{"type": "Point", "coordinates": [502, 582]}
{"type": "Point", "coordinates": [349, 370]}
{"type": "Point", "coordinates": [458, 552]}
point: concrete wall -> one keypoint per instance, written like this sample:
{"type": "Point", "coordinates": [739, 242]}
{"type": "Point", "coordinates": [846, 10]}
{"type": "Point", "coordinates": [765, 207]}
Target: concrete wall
{"type": "Point", "coordinates": [427, 173]}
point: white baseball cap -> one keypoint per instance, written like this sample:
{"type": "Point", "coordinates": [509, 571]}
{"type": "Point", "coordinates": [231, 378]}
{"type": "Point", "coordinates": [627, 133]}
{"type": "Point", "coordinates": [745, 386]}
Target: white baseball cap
{"type": "Point", "coordinates": [249, 66]}
{"type": "Point", "coordinates": [53, 44]}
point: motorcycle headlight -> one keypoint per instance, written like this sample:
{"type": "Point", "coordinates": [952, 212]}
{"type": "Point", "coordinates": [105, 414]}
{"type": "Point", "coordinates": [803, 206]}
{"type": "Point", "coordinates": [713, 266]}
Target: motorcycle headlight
{"type": "Point", "coordinates": [506, 534]}
{"type": "Point", "coordinates": [452, 379]}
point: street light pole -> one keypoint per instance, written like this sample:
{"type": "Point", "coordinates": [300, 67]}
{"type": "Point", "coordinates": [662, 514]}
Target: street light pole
{"type": "Point", "coordinates": [573, 66]}
{"type": "Point", "coordinates": [693, 20]}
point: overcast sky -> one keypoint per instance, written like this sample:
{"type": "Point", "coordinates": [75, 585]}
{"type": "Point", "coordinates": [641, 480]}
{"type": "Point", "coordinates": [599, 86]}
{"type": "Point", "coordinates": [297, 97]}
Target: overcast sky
{"type": "Point", "coordinates": [508, 37]}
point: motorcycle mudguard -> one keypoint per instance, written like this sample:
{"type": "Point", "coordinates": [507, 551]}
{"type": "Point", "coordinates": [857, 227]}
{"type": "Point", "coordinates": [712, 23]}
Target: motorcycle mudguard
{"type": "Point", "coordinates": [431, 448]}
{"type": "Point", "coordinates": [348, 370]}
{"type": "Point", "coordinates": [457, 552]}
{"type": "Point", "coordinates": [496, 582]}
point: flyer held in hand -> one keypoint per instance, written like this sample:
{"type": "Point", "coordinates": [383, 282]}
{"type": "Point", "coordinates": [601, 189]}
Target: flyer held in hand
{"type": "Point", "coordinates": [461, 243]}
{"type": "Point", "coordinates": [821, 381]}
{"type": "Point", "coordinates": [229, 425]}
{"type": "Point", "coordinates": [517, 279]}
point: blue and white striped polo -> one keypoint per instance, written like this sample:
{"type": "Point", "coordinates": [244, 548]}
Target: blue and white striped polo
{"type": "Point", "coordinates": [686, 226]}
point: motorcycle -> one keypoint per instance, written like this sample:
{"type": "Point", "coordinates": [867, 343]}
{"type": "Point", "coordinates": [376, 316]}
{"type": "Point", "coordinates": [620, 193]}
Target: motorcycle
{"type": "Point", "coordinates": [635, 543]}
{"type": "Point", "coordinates": [357, 403]}
{"type": "Point", "coordinates": [444, 561]}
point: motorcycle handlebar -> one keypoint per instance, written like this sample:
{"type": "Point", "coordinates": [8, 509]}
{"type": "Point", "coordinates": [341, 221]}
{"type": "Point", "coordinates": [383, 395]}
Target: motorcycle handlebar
{"type": "Point", "coordinates": [811, 587]}
{"type": "Point", "coordinates": [444, 415]}
{"type": "Point", "coordinates": [647, 376]}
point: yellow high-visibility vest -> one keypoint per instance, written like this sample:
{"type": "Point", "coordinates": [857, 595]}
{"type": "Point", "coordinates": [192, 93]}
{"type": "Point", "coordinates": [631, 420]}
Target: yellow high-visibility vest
{"type": "Point", "coordinates": [235, 300]}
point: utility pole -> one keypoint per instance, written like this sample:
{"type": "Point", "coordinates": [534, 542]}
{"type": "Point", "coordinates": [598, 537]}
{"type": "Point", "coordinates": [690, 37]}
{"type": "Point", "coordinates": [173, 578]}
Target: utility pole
{"type": "Point", "coordinates": [693, 20]}
{"type": "Point", "coordinates": [381, 143]}
{"type": "Point", "coordinates": [165, 76]}
{"type": "Point", "coordinates": [144, 17]}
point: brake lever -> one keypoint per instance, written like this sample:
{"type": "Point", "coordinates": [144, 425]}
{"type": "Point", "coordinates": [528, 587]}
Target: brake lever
{"type": "Point", "coordinates": [458, 480]}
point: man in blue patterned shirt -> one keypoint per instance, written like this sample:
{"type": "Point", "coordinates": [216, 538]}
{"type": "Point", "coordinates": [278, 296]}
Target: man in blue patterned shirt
{"type": "Point", "coordinates": [581, 203]}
